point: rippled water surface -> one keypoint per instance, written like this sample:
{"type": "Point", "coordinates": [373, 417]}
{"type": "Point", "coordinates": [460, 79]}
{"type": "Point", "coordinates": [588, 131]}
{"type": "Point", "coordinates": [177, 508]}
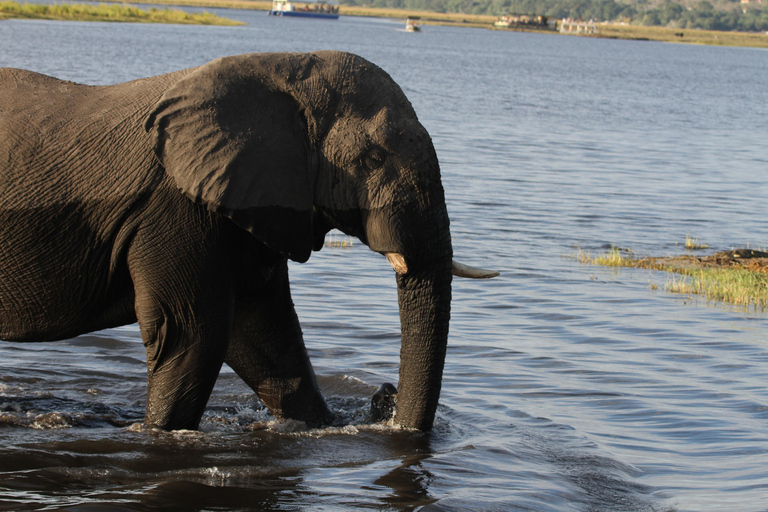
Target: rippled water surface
{"type": "Point", "coordinates": [567, 387]}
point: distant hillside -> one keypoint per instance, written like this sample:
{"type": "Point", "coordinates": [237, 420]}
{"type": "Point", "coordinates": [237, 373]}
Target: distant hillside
{"type": "Point", "coordinates": [717, 15]}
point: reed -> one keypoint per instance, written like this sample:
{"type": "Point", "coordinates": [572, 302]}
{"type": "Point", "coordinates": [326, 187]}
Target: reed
{"type": "Point", "coordinates": [338, 240]}
{"type": "Point", "coordinates": [104, 12]}
{"type": "Point", "coordinates": [693, 244]}
{"type": "Point", "coordinates": [612, 258]}
{"type": "Point", "coordinates": [734, 286]}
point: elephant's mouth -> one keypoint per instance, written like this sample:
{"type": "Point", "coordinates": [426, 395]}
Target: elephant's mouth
{"type": "Point", "coordinates": [323, 223]}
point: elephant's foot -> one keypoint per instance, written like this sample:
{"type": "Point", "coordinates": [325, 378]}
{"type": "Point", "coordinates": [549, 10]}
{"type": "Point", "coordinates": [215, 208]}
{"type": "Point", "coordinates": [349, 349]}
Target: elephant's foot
{"type": "Point", "coordinates": [383, 403]}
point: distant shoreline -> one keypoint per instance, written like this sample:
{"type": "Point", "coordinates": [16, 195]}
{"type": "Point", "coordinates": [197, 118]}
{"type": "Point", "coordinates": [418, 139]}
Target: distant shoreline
{"type": "Point", "coordinates": [605, 30]}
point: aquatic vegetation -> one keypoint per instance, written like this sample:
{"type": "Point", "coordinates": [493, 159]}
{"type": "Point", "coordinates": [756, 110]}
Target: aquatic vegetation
{"type": "Point", "coordinates": [741, 287]}
{"type": "Point", "coordinates": [336, 239]}
{"type": "Point", "coordinates": [694, 244]}
{"type": "Point", "coordinates": [103, 12]}
{"type": "Point", "coordinates": [737, 277]}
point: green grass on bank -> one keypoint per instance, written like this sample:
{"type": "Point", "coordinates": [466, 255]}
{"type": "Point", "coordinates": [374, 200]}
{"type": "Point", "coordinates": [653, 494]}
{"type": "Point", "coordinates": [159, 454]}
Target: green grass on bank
{"type": "Point", "coordinates": [738, 286]}
{"type": "Point", "coordinates": [103, 12]}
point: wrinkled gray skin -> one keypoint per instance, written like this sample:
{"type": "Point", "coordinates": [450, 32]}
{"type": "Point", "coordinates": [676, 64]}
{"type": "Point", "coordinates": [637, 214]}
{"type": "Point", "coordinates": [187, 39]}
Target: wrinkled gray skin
{"type": "Point", "coordinates": [177, 200]}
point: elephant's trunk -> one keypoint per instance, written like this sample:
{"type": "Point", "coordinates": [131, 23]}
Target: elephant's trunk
{"type": "Point", "coordinates": [424, 297]}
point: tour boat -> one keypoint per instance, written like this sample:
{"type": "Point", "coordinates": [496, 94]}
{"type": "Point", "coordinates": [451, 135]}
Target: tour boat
{"type": "Point", "coordinates": [412, 24]}
{"type": "Point", "coordinates": [306, 9]}
{"type": "Point", "coordinates": [522, 21]}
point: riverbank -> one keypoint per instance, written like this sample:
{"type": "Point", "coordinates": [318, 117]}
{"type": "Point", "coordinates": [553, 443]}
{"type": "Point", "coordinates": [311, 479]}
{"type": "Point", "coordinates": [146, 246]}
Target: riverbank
{"type": "Point", "coordinates": [112, 13]}
{"type": "Point", "coordinates": [677, 35]}
{"type": "Point", "coordinates": [604, 30]}
{"type": "Point", "coordinates": [737, 277]}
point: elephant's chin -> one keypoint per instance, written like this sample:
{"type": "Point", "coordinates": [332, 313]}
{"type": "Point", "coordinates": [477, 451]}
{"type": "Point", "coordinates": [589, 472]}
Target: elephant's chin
{"type": "Point", "coordinates": [321, 225]}
{"type": "Point", "coordinates": [345, 221]}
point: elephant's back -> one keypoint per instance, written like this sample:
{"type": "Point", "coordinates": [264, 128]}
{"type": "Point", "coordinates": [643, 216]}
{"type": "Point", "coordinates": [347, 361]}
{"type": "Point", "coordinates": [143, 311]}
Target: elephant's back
{"type": "Point", "coordinates": [20, 87]}
{"type": "Point", "coordinates": [29, 102]}
{"type": "Point", "coordinates": [62, 142]}
{"type": "Point", "coordinates": [32, 92]}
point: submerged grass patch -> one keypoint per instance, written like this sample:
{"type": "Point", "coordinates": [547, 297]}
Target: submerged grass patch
{"type": "Point", "coordinates": [336, 239]}
{"type": "Point", "coordinates": [730, 277]}
{"type": "Point", "coordinates": [103, 12]}
{"type": "Point", "coordinates": [735, 286]}
{"type": "Point", "coordinates": [692, 243]}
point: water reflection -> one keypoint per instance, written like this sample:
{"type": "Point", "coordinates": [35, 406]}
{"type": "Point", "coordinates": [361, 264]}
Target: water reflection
{"type": "Point", "coordinates": [265, 494]}
{"type": "Point", "coordinates": [410, 480]}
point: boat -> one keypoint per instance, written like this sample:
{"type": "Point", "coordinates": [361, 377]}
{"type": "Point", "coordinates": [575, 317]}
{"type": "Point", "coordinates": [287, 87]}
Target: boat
{"type": "Point", "coordinates": [412, 24]}
{"type": "Point", "coordinates": [522, 21]}
{"type": "Point", "coordinates": [325, 9]}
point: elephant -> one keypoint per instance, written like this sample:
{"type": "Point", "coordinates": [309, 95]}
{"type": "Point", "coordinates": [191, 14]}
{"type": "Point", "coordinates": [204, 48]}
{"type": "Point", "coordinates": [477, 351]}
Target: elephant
{"type": "Point", "coordinates": [176, 201]}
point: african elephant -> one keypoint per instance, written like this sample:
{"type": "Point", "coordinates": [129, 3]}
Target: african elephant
{"type": "Point", "coordinates": [177, 200]}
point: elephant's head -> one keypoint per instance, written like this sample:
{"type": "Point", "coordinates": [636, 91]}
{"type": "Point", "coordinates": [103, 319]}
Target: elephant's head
{"type": "Point", "coordinates": [291, 145]}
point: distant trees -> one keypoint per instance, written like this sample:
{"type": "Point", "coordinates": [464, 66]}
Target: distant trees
{"type": "Point", "coordinates": [702, 15]}
{"type": "Point", "coordinates": [586, 9]}
{"type": "Point", "coordinates": [705, 16]}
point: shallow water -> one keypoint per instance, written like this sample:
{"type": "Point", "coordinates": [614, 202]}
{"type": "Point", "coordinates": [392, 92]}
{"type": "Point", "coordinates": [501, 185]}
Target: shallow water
{"type": "Point", "coordinates": [567, 387]}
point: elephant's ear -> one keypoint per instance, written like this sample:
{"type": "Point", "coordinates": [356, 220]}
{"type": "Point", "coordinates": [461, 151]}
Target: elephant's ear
{"type": "Point", "coordinates": [238, 145]}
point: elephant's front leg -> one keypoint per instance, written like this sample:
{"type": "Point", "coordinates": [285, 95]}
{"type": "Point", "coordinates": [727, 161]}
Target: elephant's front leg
{"type": "Point", "coordinates": [267, 351]}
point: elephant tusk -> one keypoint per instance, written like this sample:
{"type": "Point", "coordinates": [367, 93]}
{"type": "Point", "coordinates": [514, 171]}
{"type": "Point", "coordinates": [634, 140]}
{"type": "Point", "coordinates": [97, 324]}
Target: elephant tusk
{"type": "Point", "coordinates": [397, 261]}
{"type": "Point", "coordinates": [461, 270]}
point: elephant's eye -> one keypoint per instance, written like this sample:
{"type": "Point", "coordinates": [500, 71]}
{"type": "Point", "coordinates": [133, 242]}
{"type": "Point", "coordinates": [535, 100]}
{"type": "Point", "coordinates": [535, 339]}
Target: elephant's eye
{"type": "Point", "coordinates": [375, 159]}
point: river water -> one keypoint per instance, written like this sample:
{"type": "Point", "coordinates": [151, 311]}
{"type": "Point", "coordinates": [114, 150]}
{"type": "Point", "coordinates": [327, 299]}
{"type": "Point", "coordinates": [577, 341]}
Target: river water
{"type": "Point", "coordinates": [568, 387]}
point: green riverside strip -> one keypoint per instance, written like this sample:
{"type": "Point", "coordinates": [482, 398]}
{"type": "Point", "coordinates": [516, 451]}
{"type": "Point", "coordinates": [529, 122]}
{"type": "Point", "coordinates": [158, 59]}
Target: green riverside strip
{"type": "Point", "coordinates": [112, 12]}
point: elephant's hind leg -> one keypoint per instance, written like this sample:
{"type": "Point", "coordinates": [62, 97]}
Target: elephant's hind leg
{"type": "Point", "coordinates": [180, 262]}
{"type": "Point", "coordinates": [185, 315]}
{"type": "Point", "coordinates": [267, 351]}
{"type": "Point", "coordinates": [183, 362]}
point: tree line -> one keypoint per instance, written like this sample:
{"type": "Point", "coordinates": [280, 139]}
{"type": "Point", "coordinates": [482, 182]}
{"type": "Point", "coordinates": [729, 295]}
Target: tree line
{"type": "Point", "coordinates": [702, 15]}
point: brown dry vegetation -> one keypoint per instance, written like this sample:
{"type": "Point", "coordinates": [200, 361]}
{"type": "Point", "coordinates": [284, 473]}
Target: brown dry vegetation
{"type": "Point", "coordinates": [739, 259]}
